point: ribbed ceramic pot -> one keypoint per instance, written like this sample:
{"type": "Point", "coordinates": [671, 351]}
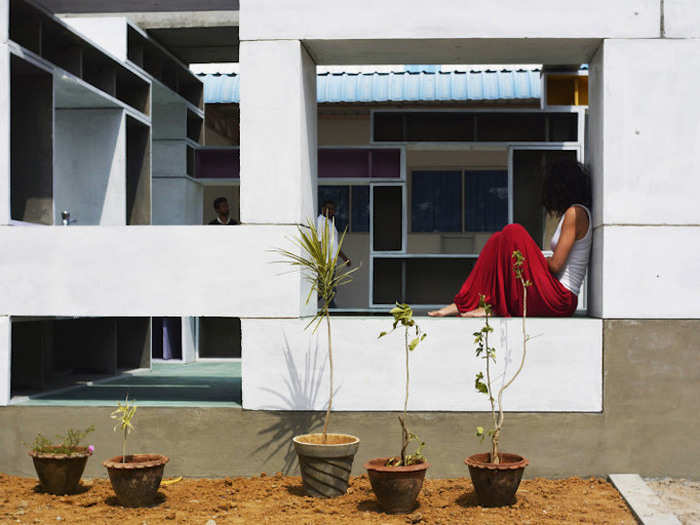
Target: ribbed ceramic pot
{"type": "Point", "coordinates": [496, 483]}
{"type": "Point", "coordinates": [396, 488]}
{"type": "Point", "coordinates": [325, 467]}
{"type": "Point", "coordinates": [136, 480]}
{"type": "Point", "coordinates": [60, 473]}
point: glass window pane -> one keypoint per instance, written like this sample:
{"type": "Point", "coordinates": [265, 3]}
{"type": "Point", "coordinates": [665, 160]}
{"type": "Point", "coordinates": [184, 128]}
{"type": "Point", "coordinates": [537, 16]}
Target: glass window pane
{"type": "Point", "coordinates": [486, 196]}
{"type": "Point", "coordinates": [436, 201]}
{"type": "Point", "coordinates": [340, 196]}
{"type": "Point", "coordinates": [343, 163]}
{"type": "Point", "coordinates": [360, 208]}
{"type": "Point", "coordinates": [388, 218]}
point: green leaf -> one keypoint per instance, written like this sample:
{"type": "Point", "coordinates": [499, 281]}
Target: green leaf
{"type": "Point", "coordinates": [381, 335]}
{"type": "Point", "coordinates": [413, 344]}
{"type": "Point", "coordinates": [479, 431]}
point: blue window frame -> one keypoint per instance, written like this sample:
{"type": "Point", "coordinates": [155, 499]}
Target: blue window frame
{"type": "Point", "coordinates": [486, 195]}
{"type": "Point", "coordinates": [436, 201]}
{"type": "Point", "coordinates": [340, 195]}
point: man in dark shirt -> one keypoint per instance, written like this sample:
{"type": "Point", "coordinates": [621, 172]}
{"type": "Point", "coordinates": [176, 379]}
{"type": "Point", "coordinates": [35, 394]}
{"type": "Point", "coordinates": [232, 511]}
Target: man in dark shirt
{"type": "Point", "coordinates": [222, 213]}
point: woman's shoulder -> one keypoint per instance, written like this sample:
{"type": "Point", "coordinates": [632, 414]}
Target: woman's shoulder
{"type": "Point", "coordinates": [579, 215]}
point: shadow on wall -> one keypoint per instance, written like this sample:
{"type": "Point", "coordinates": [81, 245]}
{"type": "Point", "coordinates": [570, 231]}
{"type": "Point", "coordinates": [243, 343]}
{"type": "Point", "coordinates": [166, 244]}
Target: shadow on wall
{"type": "Point", "coordinates": [302, 390]}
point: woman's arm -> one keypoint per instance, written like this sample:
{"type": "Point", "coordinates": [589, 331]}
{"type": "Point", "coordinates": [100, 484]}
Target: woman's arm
{"type": "Point", "coordinates": [575, 221]}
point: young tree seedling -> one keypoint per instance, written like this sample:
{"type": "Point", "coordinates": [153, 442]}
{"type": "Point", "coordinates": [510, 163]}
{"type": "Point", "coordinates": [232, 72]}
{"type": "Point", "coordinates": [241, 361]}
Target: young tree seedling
{"type": "Point", "coordinates": [488, 353]}
{"type": "Point", "coordinates": [403, 315]}
{"type": "Point", "coordinates": [124, 414]}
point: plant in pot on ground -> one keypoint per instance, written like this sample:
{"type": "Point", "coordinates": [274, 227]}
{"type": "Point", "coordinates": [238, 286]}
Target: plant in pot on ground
{"type": "Point", "coordinates": [135, 478]}
{"type": "Point", "coordinates": [496, 475]}
{"type": "Point", "coordinates": [325, 459]}
{"type": "Point", "coordinates": [60, 465]}
{"type": "Point", "coordinates": [397, 480]}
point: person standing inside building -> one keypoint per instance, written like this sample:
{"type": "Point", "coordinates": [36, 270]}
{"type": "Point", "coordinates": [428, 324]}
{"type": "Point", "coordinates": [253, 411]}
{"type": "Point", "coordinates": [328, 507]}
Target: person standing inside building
{"type": "Point", "coordinates": [223, 217]}
{"type": "Point", "coordinates": [325, 220]}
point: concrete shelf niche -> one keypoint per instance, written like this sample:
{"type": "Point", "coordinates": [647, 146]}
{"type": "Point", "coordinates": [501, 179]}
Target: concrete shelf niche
{"type": "Point", "coordinates": [138, 172]}
{"type": "Point", "coordinates": [39, 36]}
{"type": "Point", "coordinates": [53, 352]}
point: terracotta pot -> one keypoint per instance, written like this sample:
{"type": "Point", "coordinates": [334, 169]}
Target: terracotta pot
{"type": "Point", "coordinates": [325, 467]}
{"type": "Point", "coordinates": [396, 488]}
{"type": "Point", "coordinates": [60, 473]}
{"type": "Point", "coordinates": [496, 484]}
{"type": "Point", "coordinates": [136, 481]}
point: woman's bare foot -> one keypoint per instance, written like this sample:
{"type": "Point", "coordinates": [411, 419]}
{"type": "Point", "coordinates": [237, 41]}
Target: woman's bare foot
{"type": "Point", "coordinates": [478, 312]}
{"type": "Point", "coordinates": [450, 309]}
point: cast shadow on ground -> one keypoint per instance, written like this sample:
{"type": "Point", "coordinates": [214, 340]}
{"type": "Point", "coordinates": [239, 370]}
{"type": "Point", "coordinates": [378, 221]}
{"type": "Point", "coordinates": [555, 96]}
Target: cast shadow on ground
{"type": "Point", "coordinates": [161, 498]}
{"type": "Point", "coordinates": [80, 489]}
{"type": "Point", "coordinates": [468, 499]}
{"type": "Point", "coordinates": [301, 391]}
{"type": "Point", "coordinates": [372, 505]}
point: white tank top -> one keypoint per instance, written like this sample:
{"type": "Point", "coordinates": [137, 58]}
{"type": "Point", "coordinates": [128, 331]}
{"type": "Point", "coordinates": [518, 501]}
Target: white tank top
{"type": "Point", "coordinates": [571, 276]}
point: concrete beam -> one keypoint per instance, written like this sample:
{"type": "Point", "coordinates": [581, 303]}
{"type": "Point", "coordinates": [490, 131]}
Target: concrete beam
{"type": "Point", "coordinates": [278, 133]}
{"type": "Point", "coordinates": [5, 359]}
{"type": "Point", "coordinates": [148, 271]}
{"type": "Point", "coordinates": [448, 19]}
{"type": "Point", "coordinates": [681, 18]}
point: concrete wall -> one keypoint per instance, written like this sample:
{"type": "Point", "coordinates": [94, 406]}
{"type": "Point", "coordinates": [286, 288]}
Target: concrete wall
{"type": "Point", "coordinates": [148, 271]}
{"type": "Point", "coordinates": [177, 200]}
{"type": "Point", "coordinates": [285, 367]}
{"type": "Point", "coordinates": [278, 133]}
{"type": "Point", "coordinates": [89, 176]}
{"type": "Point", "coordinates": [645, 170]}
{"type": "Point", "coordinates": [651, 387]}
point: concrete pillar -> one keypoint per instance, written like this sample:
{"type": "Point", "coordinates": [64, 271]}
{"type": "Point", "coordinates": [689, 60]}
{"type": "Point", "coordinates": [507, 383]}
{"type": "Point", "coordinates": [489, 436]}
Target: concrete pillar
{"type": "Point", "coordinates": [644, 143]}
{"type": "Point", "coordinates": [278, 132]}
{"type": "Point", "coordinates": [5, 359]}
{"type": "Point", "coordinates": [5, 213]}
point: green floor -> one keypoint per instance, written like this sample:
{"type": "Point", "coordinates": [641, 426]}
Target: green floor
{"type": "Point", "coordinates": [202, 384]}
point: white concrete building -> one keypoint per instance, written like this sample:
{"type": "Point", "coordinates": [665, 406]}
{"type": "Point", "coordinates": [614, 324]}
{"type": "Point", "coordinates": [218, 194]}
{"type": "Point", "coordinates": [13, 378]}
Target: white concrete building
{"type": "Point", "coordinates": [133, 255]}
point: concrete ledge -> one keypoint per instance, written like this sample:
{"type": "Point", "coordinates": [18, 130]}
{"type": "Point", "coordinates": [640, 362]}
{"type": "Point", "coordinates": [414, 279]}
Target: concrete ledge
{"type": "Point", "coordinates": [643, 501]}
{"type": "Point", "coordinates": [148, 271]}
{"type": "Point", "coordinates": [285, 367]}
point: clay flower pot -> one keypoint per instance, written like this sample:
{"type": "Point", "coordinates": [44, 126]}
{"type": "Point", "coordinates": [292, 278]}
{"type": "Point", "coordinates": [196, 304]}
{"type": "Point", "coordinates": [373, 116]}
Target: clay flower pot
{"type": "Point", "coordinates": [396, 488]}
{"type": "Point", "coordinates": [496, 484]}
{"type": "Point", "coordinates": [136, 481]}
{"type": "Point", "coordinates": [60, 473]}
{"type": "Point", "coordinates": [325, 467]}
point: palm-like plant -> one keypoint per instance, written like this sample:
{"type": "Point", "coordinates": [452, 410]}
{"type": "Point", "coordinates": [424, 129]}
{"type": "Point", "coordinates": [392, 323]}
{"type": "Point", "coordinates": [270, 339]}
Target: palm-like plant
{"type": "Point", "coordinates": [317, 260]}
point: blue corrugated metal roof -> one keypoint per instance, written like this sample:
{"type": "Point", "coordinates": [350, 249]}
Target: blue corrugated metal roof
{"type": "Point", "coordinates": [400, 86]}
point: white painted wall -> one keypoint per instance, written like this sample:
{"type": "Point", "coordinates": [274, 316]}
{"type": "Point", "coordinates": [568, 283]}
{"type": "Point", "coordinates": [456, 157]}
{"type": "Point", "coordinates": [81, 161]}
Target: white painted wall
{"type": "Point", "coordinates": [109, 32]}
{"type": "Point", "coordinates": [681, 18]}
{"type": "Point", "coordinates": [89, 176]}
{"type": "Point", "coordinates": [5, 359]}
{"type": "Point", "coordinates": [5, 210]}
{"type": "Point", "coordinates": [445, 19]}
{"type": "Point", "coordinates": [285, 368]}
{"type": "Point", "coordinates": [149, 271]}
{"type": "Point", "coordinates": [278, 133]}
{"type": "Point", "coordinates": [176, 200]}
{"type": "Point", "coordinates": [650, 132]}
{"type": "Point", "coordinates": [651, 272]}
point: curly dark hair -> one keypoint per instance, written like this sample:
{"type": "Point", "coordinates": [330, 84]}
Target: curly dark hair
{"type": "Point", "coordinates": [566, 182]}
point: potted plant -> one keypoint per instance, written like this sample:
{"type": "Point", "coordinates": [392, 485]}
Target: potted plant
{"type": "Point", "coordinates": [496, 475]}
{"type": "Point", "coordinates": [325, 459]}
{"type": "Point", "coordinates": [397, 480]}
{"type": "Point", "coordinates": [135, 478]}
{"type": "Point", "coordinates": [60, 465]}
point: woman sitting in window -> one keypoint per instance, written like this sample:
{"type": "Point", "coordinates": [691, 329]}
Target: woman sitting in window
{"type": "Point", "coordinates": [556, 280]}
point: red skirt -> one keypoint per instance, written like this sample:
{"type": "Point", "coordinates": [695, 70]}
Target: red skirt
{"type": "Point", "coordinates": [493, 277]}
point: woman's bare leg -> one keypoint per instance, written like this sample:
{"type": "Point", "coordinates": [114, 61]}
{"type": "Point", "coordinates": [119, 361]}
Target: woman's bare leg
{"type": "Point", "coordinates": [450, 309]}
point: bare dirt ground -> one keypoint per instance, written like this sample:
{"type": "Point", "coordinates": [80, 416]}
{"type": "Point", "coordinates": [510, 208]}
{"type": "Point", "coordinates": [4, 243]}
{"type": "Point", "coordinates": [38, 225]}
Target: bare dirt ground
{"type": "Point", "coordinates": [682, 497]}
{"type": "Point", "coordinates": [280, 499]}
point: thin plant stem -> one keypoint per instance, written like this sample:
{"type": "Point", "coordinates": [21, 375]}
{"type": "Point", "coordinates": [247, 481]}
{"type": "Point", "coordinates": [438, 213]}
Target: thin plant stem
{"type": "Point", "coordinates": [126, 433]}
{"type": "Point", "coordinates": [404, 430]}
{"type": "Point", "coordinates": [330, 362]}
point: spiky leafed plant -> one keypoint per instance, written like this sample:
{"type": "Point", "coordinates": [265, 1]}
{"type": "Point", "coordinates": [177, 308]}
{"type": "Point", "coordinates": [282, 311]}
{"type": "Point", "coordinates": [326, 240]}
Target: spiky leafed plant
{"type": "Point", "coordinates": [403, 315]}
{"type": "Point", "coordinates": [488, 353]}
{"type": "Point", "coordinates": [124, 414]}
{"type": "Point", "coordinates": [317, 260]}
